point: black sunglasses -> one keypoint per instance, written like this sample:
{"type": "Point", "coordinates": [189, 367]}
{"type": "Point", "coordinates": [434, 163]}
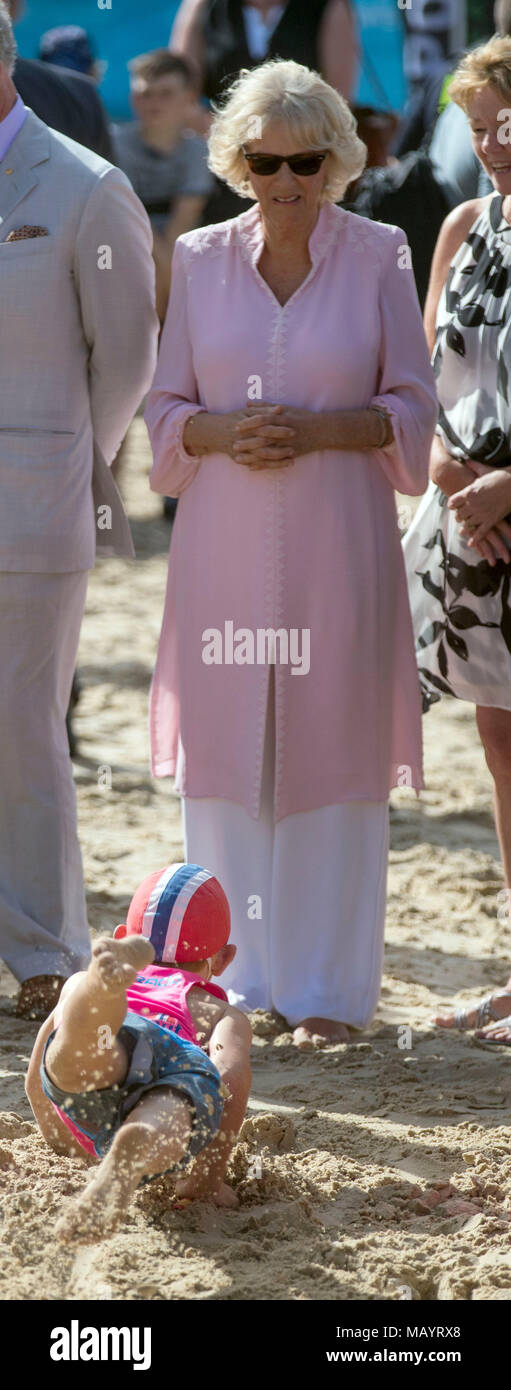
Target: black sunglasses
{"type": "Point", "coordinates": [299, 163]}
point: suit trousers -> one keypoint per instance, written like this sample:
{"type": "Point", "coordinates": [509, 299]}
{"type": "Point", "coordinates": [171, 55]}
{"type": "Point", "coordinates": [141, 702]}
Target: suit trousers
{"type": "Point", "coordinates": [307, 897]}
{"type": "Point", "coordinates": [43, 917]}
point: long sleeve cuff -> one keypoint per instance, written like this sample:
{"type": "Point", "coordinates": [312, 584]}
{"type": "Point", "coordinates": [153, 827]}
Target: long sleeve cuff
{"type": "Point", "coordinates": [173, 467]}
{"type": "Point", "coordinates": [405, 460]}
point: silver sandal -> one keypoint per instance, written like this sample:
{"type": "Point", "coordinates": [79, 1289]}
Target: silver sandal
{"type": "Point", "coordinates": [487, 1041]}
{"type": "Point", "coordinates": [484, 1012]}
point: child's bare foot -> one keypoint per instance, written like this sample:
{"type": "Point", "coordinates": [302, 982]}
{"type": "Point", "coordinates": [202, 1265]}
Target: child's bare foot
{"type": "Point", "coordinates": [98, 1210]}
{"type": "Point", "coordinates": [320, 1032]}
{"type": "Point", "coordinates": [115, 964]}
{"type": "Point", "coordinates": [152, 1139]}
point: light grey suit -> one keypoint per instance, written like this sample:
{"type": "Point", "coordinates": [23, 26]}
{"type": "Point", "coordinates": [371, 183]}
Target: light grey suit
{"type": "Point", "coordinates": [78, 343]}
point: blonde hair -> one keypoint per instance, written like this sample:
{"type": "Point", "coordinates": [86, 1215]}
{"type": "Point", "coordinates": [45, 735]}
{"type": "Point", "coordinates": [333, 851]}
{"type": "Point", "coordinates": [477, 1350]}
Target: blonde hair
{"type": "Point", "coordinates": [489, 65]}
{"type": "Point", "coordinates": [313, 111]}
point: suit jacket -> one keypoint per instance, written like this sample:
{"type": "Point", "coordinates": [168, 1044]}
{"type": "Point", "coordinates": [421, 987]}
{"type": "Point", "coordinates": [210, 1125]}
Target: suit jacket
{"type": "Point", "coordinates": [78, 344]}
{"type": "Point", "coordinates": [67, 101]}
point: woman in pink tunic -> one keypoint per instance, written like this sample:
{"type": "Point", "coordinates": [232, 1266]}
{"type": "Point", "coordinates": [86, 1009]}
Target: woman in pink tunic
{"type": "Point", "coordinates": [293, 393]}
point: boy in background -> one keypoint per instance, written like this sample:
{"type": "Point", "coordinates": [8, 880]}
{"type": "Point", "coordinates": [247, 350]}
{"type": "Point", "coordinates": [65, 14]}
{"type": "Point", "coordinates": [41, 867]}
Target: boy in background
{"type": "Point", "coordinates": [164, 159]}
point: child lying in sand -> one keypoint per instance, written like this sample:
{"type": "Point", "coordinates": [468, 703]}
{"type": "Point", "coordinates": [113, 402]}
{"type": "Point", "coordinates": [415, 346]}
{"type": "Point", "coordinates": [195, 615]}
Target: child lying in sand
{"type": "Point", "coordinates": [120, 1067]}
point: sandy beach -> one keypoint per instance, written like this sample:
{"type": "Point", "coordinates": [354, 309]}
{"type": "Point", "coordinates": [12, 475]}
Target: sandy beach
{"type": "Point", "coordinates": [379, 1170]}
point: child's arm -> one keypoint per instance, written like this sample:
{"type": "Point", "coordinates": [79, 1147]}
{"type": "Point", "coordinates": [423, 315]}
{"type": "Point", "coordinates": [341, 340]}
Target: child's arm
{"type": "Point", "coordinates": [229, 1049]}
{"type": "Point", "coordinates": [57, 1135]}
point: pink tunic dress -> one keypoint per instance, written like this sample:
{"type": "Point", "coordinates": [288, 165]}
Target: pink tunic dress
{"type": "Point", "coordinates": [314, 547]}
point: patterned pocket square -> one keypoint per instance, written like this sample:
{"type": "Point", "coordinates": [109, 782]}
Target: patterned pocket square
{"type": "Point", "coordinates": [22, 233]}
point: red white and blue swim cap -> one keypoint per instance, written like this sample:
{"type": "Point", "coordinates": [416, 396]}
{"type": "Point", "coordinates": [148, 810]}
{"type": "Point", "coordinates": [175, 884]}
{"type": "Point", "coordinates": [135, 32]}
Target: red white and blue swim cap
{"type": "Point", "coordinates": [183, 911]}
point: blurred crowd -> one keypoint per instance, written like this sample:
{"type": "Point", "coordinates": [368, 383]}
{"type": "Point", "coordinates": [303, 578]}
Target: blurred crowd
{"type": "Point", "coordinates": [418, 159]}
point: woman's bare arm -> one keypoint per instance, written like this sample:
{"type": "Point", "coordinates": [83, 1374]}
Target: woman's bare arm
{"type": "Point", "coordinates": [338, 48]}
{"type": "Point", "coordinates": [449, 474]}
{"type": "Point", "coordinates": [450, 237]}
{"type": "Point", "coordinates": [186, 36]}
{"type": "Point", "coordinates": [272, 436]}
{"type": "Point", "coordinates": [208, 433]}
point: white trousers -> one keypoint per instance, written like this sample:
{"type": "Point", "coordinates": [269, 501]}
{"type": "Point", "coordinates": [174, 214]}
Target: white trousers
{"type": "Point", "coordinates": [43, 919]}
{"type": "Point", "coordinates": [307, 898]}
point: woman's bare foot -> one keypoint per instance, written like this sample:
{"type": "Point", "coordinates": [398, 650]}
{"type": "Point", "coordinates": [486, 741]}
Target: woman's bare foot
{"type": "Point", "coordinates": [115, 964]}
{"type": "Point", "coordinates": [320, 1032]}
{"type": "Point", "coordinates": [38, 996]}
{"type": "Point", "coordinates": [490, 1008]}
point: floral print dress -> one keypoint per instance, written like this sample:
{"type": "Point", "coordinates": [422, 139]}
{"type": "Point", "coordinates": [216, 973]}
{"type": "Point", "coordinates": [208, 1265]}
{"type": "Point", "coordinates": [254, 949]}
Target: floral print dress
{"type": "Point", "coordinates": [460, 604]}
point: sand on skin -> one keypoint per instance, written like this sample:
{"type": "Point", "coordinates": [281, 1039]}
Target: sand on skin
{"type": "Point", "coordinates": [378, 1171]}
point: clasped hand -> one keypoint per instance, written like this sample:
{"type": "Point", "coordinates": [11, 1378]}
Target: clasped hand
{"type": "Point", "coordinates": [480, 510]}
{"type": "Point", "coordinates": [271, 436]}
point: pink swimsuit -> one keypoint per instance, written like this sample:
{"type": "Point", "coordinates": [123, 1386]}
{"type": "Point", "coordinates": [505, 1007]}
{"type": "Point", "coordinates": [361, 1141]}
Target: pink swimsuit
{"type": "Point", "coordinates": [161, 995]}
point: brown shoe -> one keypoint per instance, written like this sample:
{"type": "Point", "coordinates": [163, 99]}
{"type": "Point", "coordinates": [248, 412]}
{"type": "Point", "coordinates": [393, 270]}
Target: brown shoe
{"type": "Point", "coordinates": [38, 996]}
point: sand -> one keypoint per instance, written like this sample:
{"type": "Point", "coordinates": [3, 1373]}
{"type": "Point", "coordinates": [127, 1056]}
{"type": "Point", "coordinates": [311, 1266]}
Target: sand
{"type": "Point", "coordinates": [380, 1170]}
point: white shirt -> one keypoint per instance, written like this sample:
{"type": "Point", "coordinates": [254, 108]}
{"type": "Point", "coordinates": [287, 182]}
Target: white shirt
{"type": "Point", "coordinates": [259, 28]}
{"type": "Point", "coordinates": [11, 124]}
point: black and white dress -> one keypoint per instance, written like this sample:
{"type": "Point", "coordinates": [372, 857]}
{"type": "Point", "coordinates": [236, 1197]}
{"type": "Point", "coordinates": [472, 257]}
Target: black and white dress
{"type": "Point", "coordinates": [461, 605]}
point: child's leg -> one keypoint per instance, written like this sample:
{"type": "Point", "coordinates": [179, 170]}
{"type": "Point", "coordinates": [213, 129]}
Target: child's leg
{"type": "Point", "coordinates": [154, 1137]}
{"type": "Point", "coordinates": [85, 1053]}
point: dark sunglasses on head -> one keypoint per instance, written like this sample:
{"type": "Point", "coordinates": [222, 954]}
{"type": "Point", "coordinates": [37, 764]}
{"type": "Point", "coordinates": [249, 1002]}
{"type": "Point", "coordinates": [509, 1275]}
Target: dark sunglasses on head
{"type": "Point", "coordinates": [298, 163]}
